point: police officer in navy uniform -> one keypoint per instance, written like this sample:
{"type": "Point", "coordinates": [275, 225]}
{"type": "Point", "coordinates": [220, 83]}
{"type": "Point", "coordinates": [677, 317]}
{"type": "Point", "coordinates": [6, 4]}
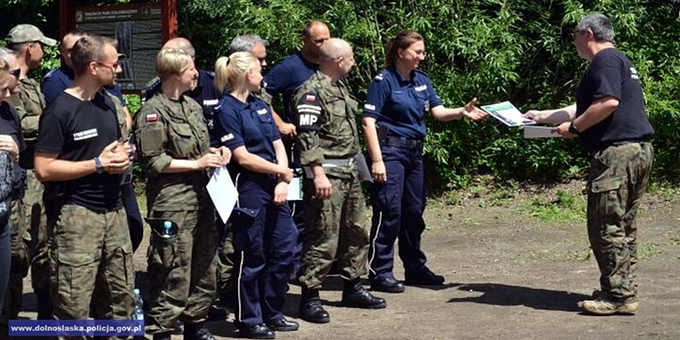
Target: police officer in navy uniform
{"type": "Point", "coordinates": [394, 127]}
{"type": "Point", "coordinates": [264, 234]}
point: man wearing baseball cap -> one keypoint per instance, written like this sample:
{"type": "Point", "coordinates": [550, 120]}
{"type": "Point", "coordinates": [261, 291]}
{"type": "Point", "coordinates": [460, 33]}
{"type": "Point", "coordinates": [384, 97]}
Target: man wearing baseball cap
{"type": "Point", "coordinates": [27, 33]}
{"type": "Point", "coordinates": [28, 223]}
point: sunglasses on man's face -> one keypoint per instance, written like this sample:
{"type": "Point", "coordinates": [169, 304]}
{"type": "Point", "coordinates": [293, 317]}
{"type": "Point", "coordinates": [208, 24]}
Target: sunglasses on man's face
{"type": "Point", "coordinates": [15, 72]}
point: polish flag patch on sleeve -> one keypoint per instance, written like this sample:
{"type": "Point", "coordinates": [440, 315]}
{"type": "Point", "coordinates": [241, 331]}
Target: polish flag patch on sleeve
{"type": "Point", "coordinates": [152, 117]}
{"type": "Point", "coordinates": [310, 98]}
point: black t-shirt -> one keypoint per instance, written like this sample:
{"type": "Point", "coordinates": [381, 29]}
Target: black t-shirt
{"type": "Point", "coordinates": [610, 73]}
{"type": "Point", "coordinates": [10, 125]}
{"type": "Point", "coordinates": [79, 130]}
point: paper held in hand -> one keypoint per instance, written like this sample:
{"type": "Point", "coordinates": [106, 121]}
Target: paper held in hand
{"type": "Point", "coordinates": [507, 113]}
{"type": "Point", "coordinates": [540, 132]}
{"type": "Point", "coordinates": [222, 192]}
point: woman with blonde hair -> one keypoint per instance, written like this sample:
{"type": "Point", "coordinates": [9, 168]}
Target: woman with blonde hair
{"type": "Point", "coordinates": [264, 232]}
{"type": "Point", "coordinates": [175, 153]}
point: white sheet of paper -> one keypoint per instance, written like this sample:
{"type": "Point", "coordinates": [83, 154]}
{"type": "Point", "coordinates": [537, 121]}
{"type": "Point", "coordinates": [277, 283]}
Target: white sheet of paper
{"type": "Point", "coordinates": [222, 192]}
{"type": "Point", "coordinates": [507, 113]}
{"type": "Point", "coordinates": [295, 189]}
{"type": "Point", "coordinates": [539, 132]}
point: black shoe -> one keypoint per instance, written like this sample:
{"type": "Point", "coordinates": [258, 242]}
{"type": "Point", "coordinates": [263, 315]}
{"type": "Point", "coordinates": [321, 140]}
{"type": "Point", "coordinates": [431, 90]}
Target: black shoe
{"type": "Point", "coordinates": [259, 331]}
{"type": "Point", "coordinates": [311, 309]}
{"type": "Point", "coordinates": [162, 336]}
{"type": "Point", "coordinates": [389, 285]}
{"type": "Point", "coordinates": [284, 325]}
{"type": "Point", "coordinates": [423, 277]}
{"type": "Point", "coordinates": [354, 295]}
{"type": "Point", "coordinates": [197, 331]}
{"type": "Point", "coordinates": [45, 306]}
{"type": "Point", "coordinates": [217, 312]}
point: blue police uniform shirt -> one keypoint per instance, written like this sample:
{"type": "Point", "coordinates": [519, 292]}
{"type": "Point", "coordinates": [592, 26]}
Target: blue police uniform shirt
{"type": "Point", "coordinates": [248, 124]}
{"type": "Point", "coordinates": [287, 76]}
{"type": "Point", "coordinates": [400, 104]}
{"type": "Point", "coordinates": [59, 79]}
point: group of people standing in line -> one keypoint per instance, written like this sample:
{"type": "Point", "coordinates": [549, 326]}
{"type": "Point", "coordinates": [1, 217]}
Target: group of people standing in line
{"type": "Point", "coordinates": [193, 121]}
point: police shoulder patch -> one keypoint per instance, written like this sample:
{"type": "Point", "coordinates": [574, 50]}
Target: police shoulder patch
{"type": "Point", "coordinates": [308, 112]}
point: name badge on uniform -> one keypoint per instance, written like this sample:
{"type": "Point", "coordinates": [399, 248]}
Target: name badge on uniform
{"type": "Point", "coordinates": [421, 88]}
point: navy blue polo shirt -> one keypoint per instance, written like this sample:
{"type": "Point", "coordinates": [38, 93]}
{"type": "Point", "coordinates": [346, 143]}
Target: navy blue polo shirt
{"type": "Point", "coordinates": [246, 124]}
{"type": "Point", "coordinates": [58, 80]}
{"type": "Point", "coordinates": [287, 76]}
{"type": "Point", "coordinates": [400, 104]}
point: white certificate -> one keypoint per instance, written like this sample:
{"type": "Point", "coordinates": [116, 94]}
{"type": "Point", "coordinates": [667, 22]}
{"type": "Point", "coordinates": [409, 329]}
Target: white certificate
{"type": "Point", "coordinates": [507, 113]}
{"type": "Point", "coordinates": [222, 192]}
{"type": "Point", "coordinates": [295, 189]}
{"type": "Point", "coordinates": [540, 132]}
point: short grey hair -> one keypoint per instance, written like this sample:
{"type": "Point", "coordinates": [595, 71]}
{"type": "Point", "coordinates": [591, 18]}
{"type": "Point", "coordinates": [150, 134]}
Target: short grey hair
{"type": "Point", "coordinates": [602, 27]}
{"type": "Point", "coordinates": [246, 43]}
{"type": "Point", "coordinates": [5, 52]}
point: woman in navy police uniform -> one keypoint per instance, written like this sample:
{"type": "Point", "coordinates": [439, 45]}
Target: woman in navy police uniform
{"type": "Point", "coordinates": [394, 126]}
{"type": "Point", "coordinates": [264, 232]}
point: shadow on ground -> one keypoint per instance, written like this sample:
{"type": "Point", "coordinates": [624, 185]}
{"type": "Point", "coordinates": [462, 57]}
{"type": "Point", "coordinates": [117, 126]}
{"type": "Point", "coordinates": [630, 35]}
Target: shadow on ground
{"type": "Point", "coordinates": [507, 295]}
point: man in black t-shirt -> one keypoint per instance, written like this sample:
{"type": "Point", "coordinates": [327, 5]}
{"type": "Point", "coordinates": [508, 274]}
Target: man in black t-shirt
{"type": "Point", "coordinates": [611, 123]}
{"type": "Point", "coordinates": [80, 153]}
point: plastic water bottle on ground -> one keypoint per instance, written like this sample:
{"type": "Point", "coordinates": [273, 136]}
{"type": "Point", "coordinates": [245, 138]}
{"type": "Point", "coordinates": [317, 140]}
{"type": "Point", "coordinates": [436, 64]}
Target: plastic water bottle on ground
{"type": "Point", "coordinates": [167, 229]}
{"type": "Point", "coordinates": [139, 306]}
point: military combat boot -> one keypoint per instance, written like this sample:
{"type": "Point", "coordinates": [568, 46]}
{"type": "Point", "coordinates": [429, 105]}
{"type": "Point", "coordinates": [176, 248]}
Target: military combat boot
{"type": "Point", "coordinates": [311, 309]}
{"type": "Point", "coordinates": [197, 331]}
{"type": "Point", "coordinates": [162, 336]}
{"type": "Point", "coordinates": [354, 295]}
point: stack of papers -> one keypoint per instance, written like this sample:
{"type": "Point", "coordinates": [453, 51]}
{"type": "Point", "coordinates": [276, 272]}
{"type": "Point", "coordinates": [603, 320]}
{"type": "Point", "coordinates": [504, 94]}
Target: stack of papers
{"type": "Point", "coordinates": [509, 115]}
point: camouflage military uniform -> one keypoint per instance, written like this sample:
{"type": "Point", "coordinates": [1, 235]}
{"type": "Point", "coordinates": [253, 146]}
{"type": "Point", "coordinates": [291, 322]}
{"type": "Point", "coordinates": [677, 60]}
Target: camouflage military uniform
{"type": "Point", "coordinates": [90, 250]}
{"type": "Point", "coordinates": [29, 234]}
{"type": "Point", "coordinates": [182, 267]}
{"type": "Point", "coordinates": [326, 119]}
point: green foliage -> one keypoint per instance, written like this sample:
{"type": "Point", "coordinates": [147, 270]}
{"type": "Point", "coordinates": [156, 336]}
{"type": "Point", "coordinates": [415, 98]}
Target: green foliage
{"type": "Point", "coordinates": [563, 207]}
{"type": "Point", "coordinates": [506, 50]}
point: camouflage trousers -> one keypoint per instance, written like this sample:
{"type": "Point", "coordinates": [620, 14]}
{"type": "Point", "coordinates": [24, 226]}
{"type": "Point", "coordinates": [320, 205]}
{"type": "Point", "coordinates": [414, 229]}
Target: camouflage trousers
{"type": "Point", "coordinates": [91, 261]}
{"type": "Point", "coordinates": [616, 183]}
{"type": "Point", "coordinates": [336, 225]}
{"type": "Point", "coordinates": [181, 270]}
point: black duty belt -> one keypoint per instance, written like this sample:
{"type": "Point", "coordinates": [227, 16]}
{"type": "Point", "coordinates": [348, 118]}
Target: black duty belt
{"type": "Point", "coordinates": [403, 142]}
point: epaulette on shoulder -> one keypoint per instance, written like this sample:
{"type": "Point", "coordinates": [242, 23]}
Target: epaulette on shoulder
{"type": "Point", "coordinates": [210, 74]}
{"type": "Point", "coordinates": [153, 83]}
{"type": "Point", "coordinates": [50, 74]}
{"type": "Point", "coordinates": [379, 77]}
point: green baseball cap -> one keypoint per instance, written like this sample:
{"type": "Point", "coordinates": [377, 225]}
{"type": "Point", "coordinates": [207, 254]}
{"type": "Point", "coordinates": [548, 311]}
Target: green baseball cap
{"type": "Point", "coordinates": [28, 33]}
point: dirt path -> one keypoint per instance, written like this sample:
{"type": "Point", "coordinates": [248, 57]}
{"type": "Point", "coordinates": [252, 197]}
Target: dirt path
{"type": "Point", "coordinates": [509, 276]}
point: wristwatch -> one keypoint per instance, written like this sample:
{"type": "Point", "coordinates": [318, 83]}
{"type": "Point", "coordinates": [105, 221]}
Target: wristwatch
{"type": "Point", "coordinates": [98, 167]}
{"type": "Point", "coordinates": [573, 129]}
